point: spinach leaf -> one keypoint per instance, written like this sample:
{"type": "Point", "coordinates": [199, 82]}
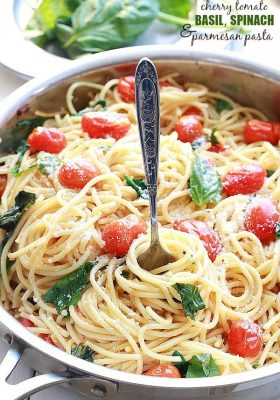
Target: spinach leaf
{"type": "Point", "coordinates": [101, 103]}
{"type": "Point", "coordinates": [68, 290]}
{"type": "Point", "coordinates": [83, 352]}
{"type": "Point", "coordinates": [222, 105]}
{"type": "Point", "coordinates": [139, 185]}
{"type": "Point", "coordinates": [27, 125]}
{"type": "Point", "coordinates": [213, 138]}
{"type": "Point", "coordinates": [47, 163]}
{"type": "Point", "coordinates": [21, 150]}
{"type": "Point", "coordinates": [198, 143]}
{"type": "Point", "coordinates": [180, 8]}
{"type": "Point", "coordinates": [202, 365]}
{"type": "Point", "coordinates": [205, 183]}
{"type": "Point", "coordinates": [269, 173]}
{"type": "Point", "coordinates": [10, 218]}
{"type": "Point", "coordinates": [181, 365]}
{"type": "Point", "coordinates": [277, 230]}
{"type": "Point", "coordinates": [190, 297]}
{"type": "Point", "coordinates": [99, 25]}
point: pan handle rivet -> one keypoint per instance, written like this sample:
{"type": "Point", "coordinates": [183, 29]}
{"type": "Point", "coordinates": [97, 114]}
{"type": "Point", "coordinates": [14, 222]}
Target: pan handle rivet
{"type": "Point", "coordinates": [98, 390]}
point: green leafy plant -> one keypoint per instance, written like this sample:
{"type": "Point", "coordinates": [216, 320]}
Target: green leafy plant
{"type": "Point", "coordinates": [27, 125]}
{"type": "Point", "coordinates": [47, 163]}
{"type": "Point", "coordinates": [202, 365]}
{"type": "Point", "coordinates": [222, 105]}
{"type": "Point", "coordinates": [83, 352]}
{"type": "Point", "coordinates": [139, 185]}
{"type": "Point", "coordinates": [181, 365]}
{"type": "Point", "coordinates": [277, 230]}
{"type": "Point", "coordinates": [213, 138]}
{"type": "Point", "coordinates": [21, 150]}
{"type": "Point", "coordinates": [190, 297]}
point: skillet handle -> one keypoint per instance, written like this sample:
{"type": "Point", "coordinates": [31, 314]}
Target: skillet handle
{"type": "Point", "coordinates": [24, 389]}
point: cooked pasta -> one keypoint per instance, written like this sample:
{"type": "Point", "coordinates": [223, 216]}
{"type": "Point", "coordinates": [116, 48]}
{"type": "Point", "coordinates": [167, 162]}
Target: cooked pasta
{"type": "Point", "coordinates": [130, 318]}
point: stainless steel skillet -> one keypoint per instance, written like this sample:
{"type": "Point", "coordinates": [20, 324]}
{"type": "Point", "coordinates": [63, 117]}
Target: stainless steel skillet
{"type": "Point", "coordinates": [245, 82]}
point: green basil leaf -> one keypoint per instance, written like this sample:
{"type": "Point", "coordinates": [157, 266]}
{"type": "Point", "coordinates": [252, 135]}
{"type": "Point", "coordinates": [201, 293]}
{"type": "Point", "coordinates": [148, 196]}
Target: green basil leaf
{"type": "Point", "coordinates": [83, 352]}
{"type": "Point", "coordinates": [27, 125]}
{"type": "Point", "coordinates": [202, 365]}
{"type": "Point", "coordinates": [213, 138]}
{"type": "Point", "coordinates": [125, 274]}
{"type": "Point", "coordinates": [139, 185]}
{"type": "Point", "coordinates": [47, 163]}
{"type": "Point", "coordinates": [180, 8]}
{"type": "Point", "coordinates": [269, 173]}
{"type": "Point", "coordinates": [101, 103]}
{"type": "Point", "coordinates": [68, 290]}
{"type": "Point", "coordinates": [10, 218]}
{"type": "Point", "coordinates": [190, 297]}
{"type": "Point", "coordinates": [255, 366]}
{"type": "Point", "coordinates": [182, 365]}
{"type": "Point", "coordinates": [277, 230]}
{"type": "Point", "coordinates": [198, 143]}
{"type": "Point", "coordinates": [205, 183]}
{"type": "Point", "coordinates": [222, 105]}
{"type": "Point", "coordinates": [9, 262]}
{"type": "Point", "coordinates": [21, 150]}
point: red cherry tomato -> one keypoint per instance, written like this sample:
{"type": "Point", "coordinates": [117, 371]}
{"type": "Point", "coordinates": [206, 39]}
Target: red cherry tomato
{"type": "Point", "coordinates": [188, 128]}
{"type": "Point", "coordinates": [218, 148]}
{"type": "Point", "coordinates": [193, 111]}
{"type": "Point", "coordinates": [244, 179]}
{"type": "Point", "coordinates": [3, 183]}
{"type": "Point", "coordinates": [47, 338]}
{"type": "Point", "coordinates": [75, 175]}
{"type": "Point", "coordinates": [102, 124]}
{"type": "Point", "coordinates": [163, 84]}
{"type": "Point", "coordinates": [258, 131]}
{"type": "Point", "coordinates": [207, 235]}
{"type": "Point", "coordinates": [164, 370]}
{"type": "Point", "coordinates": [26, 322]}
{"type": "Point", "coordinates": [261, 219]}
{"type": "Point", "coordinates": [245, 338]}
{"type": "Point", "coordinates": [119, 235]}
{"type": "Point", "coordinates": [126, 88]}
{"type": "Point", "coordinates": [50, 140]}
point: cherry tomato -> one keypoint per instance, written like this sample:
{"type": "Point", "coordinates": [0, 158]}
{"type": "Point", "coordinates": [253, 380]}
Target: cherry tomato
{"type": "Point", "coordinates": [258, 131]}
{"type": "Point", "coordinates": [244, 179]}
{"type": "Point", "coordinates": [200, 230]}
{"type": "Point", "coordinates": [50, 140]}
{"type": "Point", "coordinates": [3, 183]}
{"type": "Point", "coordinates": [218, 148]}
{"type": "Point", "coordinates": [119, 235]}
{"type": "Point", "coordinates": [261, 219]}
{"type": "Point", "coordinates": [188, 128]}
{"type": "Point", "coordinates": [126, 88]}
{"type": "Point", "coordinates": [75, 175]}
{"type": "Point", "coordinates": [47, 338]}
{"type": "Point", "coordinates": [193, 111]}
{"type": "Point", "coordinates": [26, 322]}
{"type": "Point", "coordinates": [102, 124]}
{"type": "Point", "coordinates": [164, 370]}
{"type": "Point", "coordinates": [245, 338]}
{"type": "Point", "coordinates": [163, 84]}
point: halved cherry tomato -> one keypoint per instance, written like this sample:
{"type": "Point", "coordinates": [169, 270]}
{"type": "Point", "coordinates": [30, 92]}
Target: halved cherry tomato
{"type": "Point", "coordinates": [47, 338]}
{"type": "Point", "coordinates": [75, 175]}
{"type": "Point", "coordinates": [119, 235]}
{"type": "Point", "coordinates": [102, 124]}
{"type": "Point", "coordinates": [50, 140]}
{"type": "Point", "coordinates": [207, 235]}
{"type": "Point", "coordinates": [164, 370]}
{"type": "Point", "coordinates": [26, 322]}
{"type": "Point", "coordinates": [3, 183]}
{"type": "Point", "coordinates": [261, 219]}
{"type": "Point", "coordinates": [258, 131]}
{"type": "Point", "coordinates": [193, 111]}
{"type": "Point", "coordinates": [245, 338]}
{"type": "Point", "coordinates": [126, 88]}
{"type": "Point", "coordinates": [244, 179]}
{"type": "Point", "coordinates": [163, 84]}
{"type": "Point", "coordinates": [188, 128]}
{"type": "Point", "coordinates": [218, 148]}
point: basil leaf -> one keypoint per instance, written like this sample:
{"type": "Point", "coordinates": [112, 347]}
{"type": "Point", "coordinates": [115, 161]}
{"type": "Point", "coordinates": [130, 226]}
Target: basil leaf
{"type": "Point", "coordinates": [21, 150]}
{"type": "Point", "coordinates": [198, 143]}
{"type": "Point", "coordinates": [202, 365]}
{"type": "Point", "coordinates": [255, 366]}
{"type": "Point", "coordinates": [182, 365]}
{"type": "Point", "coordinates": [277, 230]}
{"type": "Point", "coordinates": [83, 352]}
{"type": "Point", "coordinates": [205, 183]}
{"type": "Point", "coordinates": [213, 138]}
{"type": "Point", "coordinates": [99, 25]}
{"type": "Point", "coordinates": [139, 185]}
{"type": "Point", "coordinates": [269, 173]}
{"type": "Point", "coordinates": [27, 125]}
{"type": "Point", "coordinates": [222, 105]}
{"type": "Point", "coordinates": [101, 103]}
{"type": "Point", "coordinates": [180, 8]}
{"type": "Point", "coordinates": [125, 274]}
{"type": "Point", "coordinates": [10, 218]}
{"type": "Point", "coordinates": [190, 297]}
{"type": "Point", "coordinates": [47, 163]}
{"type": "Point", "coordinates": [68, 290]}
{"type": "Point", "coordinates": [9, 262]}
